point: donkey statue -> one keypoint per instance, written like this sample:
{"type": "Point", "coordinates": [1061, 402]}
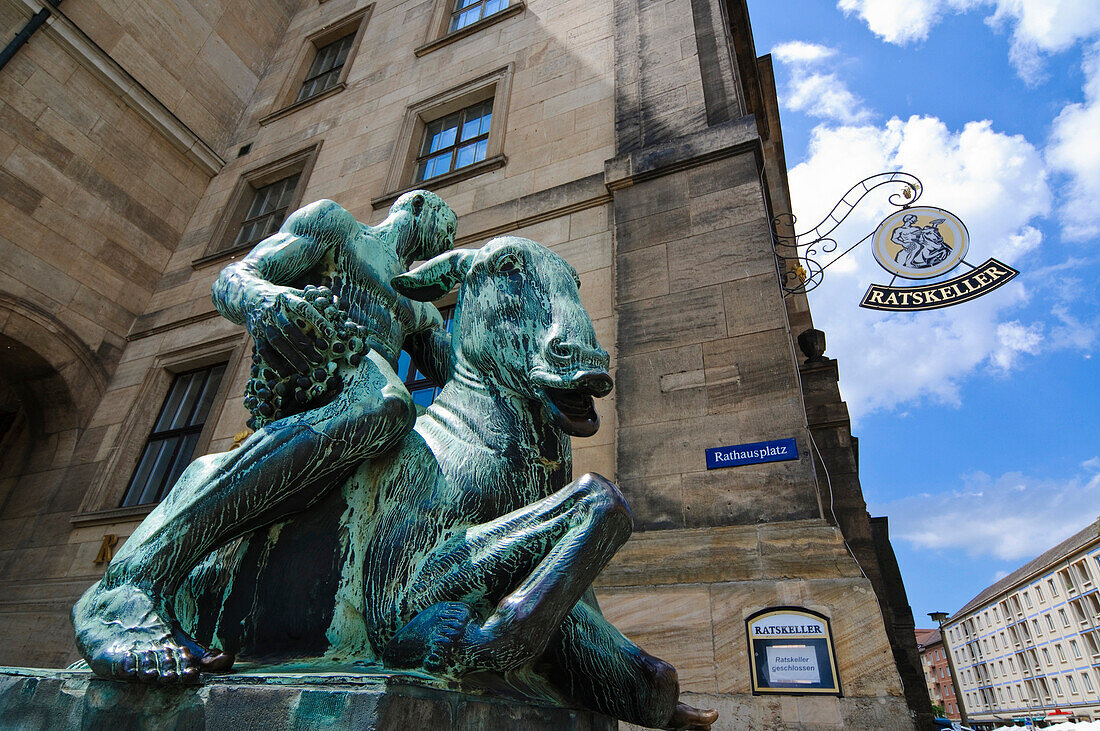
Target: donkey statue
{"type": "Point", "coordinates": [466, 551]}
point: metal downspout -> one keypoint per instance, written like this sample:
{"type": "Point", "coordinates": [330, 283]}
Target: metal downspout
{"type": "Point", "coordinates": [25, 34]}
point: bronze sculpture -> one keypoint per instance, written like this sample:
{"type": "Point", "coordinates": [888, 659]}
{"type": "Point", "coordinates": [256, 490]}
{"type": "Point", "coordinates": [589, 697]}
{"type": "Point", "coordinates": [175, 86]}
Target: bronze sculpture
{"type": "Point", "coordinates": [464, 550]}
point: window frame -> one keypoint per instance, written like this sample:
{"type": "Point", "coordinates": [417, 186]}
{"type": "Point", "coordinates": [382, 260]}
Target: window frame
{"type": "Point", "coordinates": [108, 487]}
{"type": "Point", "coordinates": [452, 150]}
{"type": "Point", "coordinates": [177, 436]}
{"type": "Point", "coordinates": [223, 240]}
{"type": "Point", "coordinates": [286, 100]}
{"type": "Point", "coordinates": [440, 35]}
{"type": "Point", "coordinates": [495, 85]}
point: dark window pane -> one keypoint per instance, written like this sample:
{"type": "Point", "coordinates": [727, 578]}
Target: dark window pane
{"type": "Point", "coordinates": [159, 471]}
{"type": "Point", "coordinates": [182, 459]}
{"type": "Point", "coordinates": [213, 380]}
{"type": "Point", "coordinates": [172, 403]}
{"type": "Point", "coordinates": [424, 396]}
{"type": "Point", "coordinates": [171, 444]}
{"type": "Point", "coordinates": [325, 70]}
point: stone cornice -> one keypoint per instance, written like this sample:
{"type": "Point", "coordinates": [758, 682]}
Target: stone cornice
{"type": "Point", "coordinates": [93, 58]}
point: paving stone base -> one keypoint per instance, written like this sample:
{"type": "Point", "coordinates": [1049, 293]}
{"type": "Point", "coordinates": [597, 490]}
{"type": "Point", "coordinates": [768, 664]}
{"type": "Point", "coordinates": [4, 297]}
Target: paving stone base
{"type": "Point", "coordinates": [32, 698]}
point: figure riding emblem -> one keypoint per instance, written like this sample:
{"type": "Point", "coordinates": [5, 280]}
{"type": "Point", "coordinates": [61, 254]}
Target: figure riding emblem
{"type": "Point", "coordinates": [920, 243]}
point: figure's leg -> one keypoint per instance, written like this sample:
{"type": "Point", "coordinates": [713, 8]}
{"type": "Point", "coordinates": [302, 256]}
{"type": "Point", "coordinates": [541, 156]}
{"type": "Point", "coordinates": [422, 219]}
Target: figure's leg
{"type": "Point", "coordinates": [123, 625]}
{"type": "Point", "coordinates": [541, 559]}
{"type": "Point", "coordinates": [593, 665]}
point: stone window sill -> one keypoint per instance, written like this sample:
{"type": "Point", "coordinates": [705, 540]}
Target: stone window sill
{"type": "Point", "coordinates": [114, 515]}
{"type": "Point", "coordinates": [469, 30]}
{"type": "Point", "coordinates": [291, 108]}
{"type": "Point", "coordinates": [455, 176]}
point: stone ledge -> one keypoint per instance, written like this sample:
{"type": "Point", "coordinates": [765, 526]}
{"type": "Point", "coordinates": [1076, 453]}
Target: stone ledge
{"type": "Point", "coordinates": [76, 699]}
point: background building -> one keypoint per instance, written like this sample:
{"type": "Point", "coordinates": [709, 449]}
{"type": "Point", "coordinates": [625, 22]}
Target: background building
{"type": "Point", "coordinates": [145, 145]}
{"type": "Point", "coordinates": [1029, 645]}
{"type": "Point", "coordinates": [937, 673]}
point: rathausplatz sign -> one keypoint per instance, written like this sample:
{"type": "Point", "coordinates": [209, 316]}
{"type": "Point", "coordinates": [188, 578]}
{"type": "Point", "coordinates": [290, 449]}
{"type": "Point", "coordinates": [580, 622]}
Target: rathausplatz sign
{"type": "Point", "coordinates": [777, 450]}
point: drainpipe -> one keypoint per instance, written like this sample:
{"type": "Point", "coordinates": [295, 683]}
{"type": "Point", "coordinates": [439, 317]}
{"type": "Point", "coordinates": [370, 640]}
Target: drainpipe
{"type": "Point", "coordinates": [25, 34]}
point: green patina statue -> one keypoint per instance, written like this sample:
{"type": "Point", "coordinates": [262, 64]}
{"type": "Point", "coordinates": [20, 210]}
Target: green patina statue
{"type": "Point", "coordinates": [341, 533]}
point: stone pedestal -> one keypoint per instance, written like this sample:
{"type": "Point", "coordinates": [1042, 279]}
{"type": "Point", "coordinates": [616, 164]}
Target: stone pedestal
{"type": "Point", "coordinates": [32, 698]}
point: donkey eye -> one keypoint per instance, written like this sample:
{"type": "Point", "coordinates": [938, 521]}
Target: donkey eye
{"type": "Point", "coordinates": [508, 264]}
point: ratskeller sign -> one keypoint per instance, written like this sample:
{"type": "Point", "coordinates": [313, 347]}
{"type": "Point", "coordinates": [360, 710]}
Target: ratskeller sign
{"type": "Point", "coordinates": [791, 651]}
{"type": "Point", "coordinates": [923, 242]}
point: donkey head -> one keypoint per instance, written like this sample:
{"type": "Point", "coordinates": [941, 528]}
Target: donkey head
{"type": "Point", "coordinates": [520, 325]}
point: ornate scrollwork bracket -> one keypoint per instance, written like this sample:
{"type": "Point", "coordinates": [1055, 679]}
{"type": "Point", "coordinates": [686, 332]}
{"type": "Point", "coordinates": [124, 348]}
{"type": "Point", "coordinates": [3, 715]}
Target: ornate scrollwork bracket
{"type": "Point", "coordinates": [796, 254]}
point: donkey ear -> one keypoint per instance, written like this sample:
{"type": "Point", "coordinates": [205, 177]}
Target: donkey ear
{"type": "Point", "coordinates": [435, 277]}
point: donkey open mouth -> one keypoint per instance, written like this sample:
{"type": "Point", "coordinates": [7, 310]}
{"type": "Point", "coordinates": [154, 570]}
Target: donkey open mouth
{"type": "Point", "coordinates": [571, 406]}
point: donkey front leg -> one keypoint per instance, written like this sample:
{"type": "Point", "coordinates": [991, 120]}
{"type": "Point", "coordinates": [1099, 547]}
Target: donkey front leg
{"type": "Point", "coordinates": [554, 548]}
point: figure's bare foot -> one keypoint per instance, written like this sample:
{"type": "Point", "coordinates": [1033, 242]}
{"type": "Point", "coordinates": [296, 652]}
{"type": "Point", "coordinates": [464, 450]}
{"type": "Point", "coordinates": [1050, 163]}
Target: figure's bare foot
{"type": "Point", "coordinates": [691, 718]}
{"type": "Point", "coordinates": [121, 635]}
{"type": "Point", "coordinates": [433, 640]}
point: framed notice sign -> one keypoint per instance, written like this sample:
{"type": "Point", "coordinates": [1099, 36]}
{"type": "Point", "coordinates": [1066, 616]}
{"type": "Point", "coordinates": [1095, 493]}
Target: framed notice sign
{"type": "Point", "coordinates": [791, 652]}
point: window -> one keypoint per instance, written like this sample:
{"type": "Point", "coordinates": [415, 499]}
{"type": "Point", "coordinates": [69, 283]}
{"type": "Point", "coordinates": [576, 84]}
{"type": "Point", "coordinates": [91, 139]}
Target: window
{"type": "Point", "coordinates": [455, 141]}
{"type": "Point", "coordinates": [1050, 622]}
{"type": "Point", "coordinates": [1086, 681]}
{"type": "Point", "coordinates": [1057, 686]}
{"type": "Point", "coordinates": [1039, 593]}
{"type": "Point", "coordinates": [1060, 653]}
{"type": "Point", "coordinates": [1038, 630]}
{"type": "Point", "coordinates": [1064, 617]}
{"type": "Point", "coordinates": [262, 199]}
{"type": "Point", "coordinates": [328, 64]}
{"type": "Point", "coordinates": [171, 444]}
{"type": "Point", "coordinates": [1072, 684]}
{"type": "Point", "coordinates": [1027, 600]}
{"type": "Point", "coordinates": [469, 11]}
{"type": "Point", "coordinates": [422, 390]}
{"type": "Point", "coordinates": [1076, 650]}
{"type": "Point", "coordinates": [267, 211]}
{"type": "Point", "coordinates": [1052, 587]}
{"type": "Point", "coordinates": [321, 66]}
{"type": "Point", "coordinates": [1046, 656]}
{"type": "Point", "coordinates": [995, 617]}
{"type": "Point", "coordinates": [450, 136]}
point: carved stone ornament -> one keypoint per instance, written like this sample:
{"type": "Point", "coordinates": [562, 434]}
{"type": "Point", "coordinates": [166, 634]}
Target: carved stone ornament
{"type": "Point", "coordinates": [351, 532]}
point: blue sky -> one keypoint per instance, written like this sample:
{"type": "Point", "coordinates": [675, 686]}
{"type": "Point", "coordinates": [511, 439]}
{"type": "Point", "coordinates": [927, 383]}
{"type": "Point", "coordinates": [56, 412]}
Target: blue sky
{"type": "Point", "coordinates": [978, 424]}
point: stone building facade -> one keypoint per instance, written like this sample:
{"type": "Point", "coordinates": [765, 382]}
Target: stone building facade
{"type": "Point", "coordinates": [1029, 645]}
{"type": "Point", "coordinates": [145, 144]}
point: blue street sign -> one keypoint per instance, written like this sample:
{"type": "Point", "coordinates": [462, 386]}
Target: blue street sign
{"type": "Point", "coordinates": [777, 450]}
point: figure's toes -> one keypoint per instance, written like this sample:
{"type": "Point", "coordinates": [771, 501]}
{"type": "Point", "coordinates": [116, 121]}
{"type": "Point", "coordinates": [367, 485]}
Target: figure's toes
{"type": "Point", "coordinates": [215, 661]}
{"type": "Point", "coordinates": [125, 666]}
{"type": "Point", "coordinates": [691, 718]}
{"type": "Point", "coordinates": [167, 666]}
{"type": "Point", "coordinates": [147, 667]}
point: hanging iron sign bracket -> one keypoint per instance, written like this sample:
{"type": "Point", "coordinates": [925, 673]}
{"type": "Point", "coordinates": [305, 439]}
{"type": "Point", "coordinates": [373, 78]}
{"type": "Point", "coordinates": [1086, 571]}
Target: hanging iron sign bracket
{"type": "Point", "coordinates": [915, 243]}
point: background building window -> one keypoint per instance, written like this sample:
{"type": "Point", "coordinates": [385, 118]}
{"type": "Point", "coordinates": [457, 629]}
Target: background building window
{"type": "Point", "coordinates": [324, 73]}
{"type": "Point", "coordinates": [455, 141]}
{"type": "Point", "coordinates": [423, 391]}
{"type": "Point", "coordinates": [267, 211]}
{"type": "Point", "coordinates": [171, 444]}
{"type": "Point", "coordinates": [471, 11]}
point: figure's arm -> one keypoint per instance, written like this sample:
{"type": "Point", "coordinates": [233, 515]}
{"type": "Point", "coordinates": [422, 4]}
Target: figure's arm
{"type": "Point", "coordinates": [254, 290]}
{"type": "Point", "coordinates": [430, 348]}
{"type": "Point", "coordinates": [260, 277]}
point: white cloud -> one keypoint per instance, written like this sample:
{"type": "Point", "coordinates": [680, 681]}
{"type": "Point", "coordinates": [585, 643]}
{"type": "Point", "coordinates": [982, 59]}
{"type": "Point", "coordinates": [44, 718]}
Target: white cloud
{"type": "Point", "coordinates": [802, 52]}
{"type": "Point", "coordinates": [818, 94]}
{"type": "Point", "coordinates": [1074, 149]}
{"type": "Point", "coordinates": [1038, 27]}
{"type": "Point", "coordinates": [1013, 339]}
{"type": "Point", "coordinates": [995, 182]}
{"type": "Point", "coordinates": [901, 22]}
{"type": "Point", "coordinates": [1012, 518]}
